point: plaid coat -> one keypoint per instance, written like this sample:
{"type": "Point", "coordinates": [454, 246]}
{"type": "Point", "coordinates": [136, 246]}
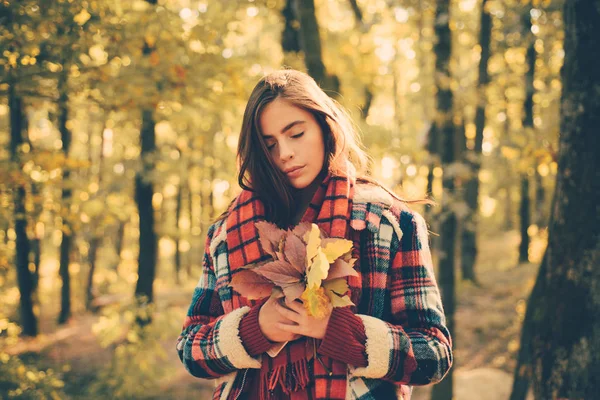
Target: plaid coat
{"type": "Point", "coordinates": [396, 297]}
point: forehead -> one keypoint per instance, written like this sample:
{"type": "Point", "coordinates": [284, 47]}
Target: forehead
{"type": "Point", "coordinates": [280, 113]}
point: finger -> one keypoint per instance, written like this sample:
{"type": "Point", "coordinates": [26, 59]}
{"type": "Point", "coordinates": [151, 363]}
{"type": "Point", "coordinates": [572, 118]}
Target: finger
{"type": "Point", "coordinates": [295, 329]}
{"type": "Point", "coordinates": [296, 306]}
{"type": "Point", "coordinates": [289, 314]}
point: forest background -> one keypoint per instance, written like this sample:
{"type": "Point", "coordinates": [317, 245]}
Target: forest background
{"type": "Point", "coordinates": [118, 130]}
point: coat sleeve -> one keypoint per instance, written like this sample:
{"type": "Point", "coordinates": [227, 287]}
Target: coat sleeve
{"type": "Point", "coordinates": [209, 345]}
{"type": "Point", "coordinates": [412, 345]}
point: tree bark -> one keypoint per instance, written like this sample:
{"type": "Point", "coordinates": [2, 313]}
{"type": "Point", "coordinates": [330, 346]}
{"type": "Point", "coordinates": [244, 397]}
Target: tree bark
{"type": "Point", "coordinates": [473, 159]}
{"type": "Point", "coordinates": [561, 334]}
{"type": "Point", "coordinates": [540, 200]}
{"type": "Point", "coordinates": [144, 191]}
{"type": "Point", "coordinates": [528, 126]}
{"type": "Point", "coordinates": [95, 237]}
{"type": "Point", "coordinates": [119, 243]}
{"type": "Point", "coordinates": [525, 219]}
{"type": "Point", "coordinates": [178, 233]}
{"type": "Point", "coordinates": [92, 257]}
{"type": "Point", "coordinates": [448, 225]}
{"type": "Point", "coordinates": [290, 38]}
{"type": "Point", "coordinates": [310, 42]}
{"type": "Point", "coordinates": [25, 279]}
{"type": "Point", "coordinates": [67, 233]}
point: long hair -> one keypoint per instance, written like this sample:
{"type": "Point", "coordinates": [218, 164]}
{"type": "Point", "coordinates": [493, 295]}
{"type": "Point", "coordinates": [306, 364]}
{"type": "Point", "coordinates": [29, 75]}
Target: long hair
{"type": "Point", "coordinates": [257, 170]}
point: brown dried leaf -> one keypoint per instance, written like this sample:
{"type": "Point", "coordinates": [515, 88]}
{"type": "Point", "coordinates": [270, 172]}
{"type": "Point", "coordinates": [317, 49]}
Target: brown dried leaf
{"type": "Point", "coordinates": [301, 229]}
{"type": "Point", "coordinates": [294, 291]}
{"type": "Point", "coordinates": [295, 252]}
{"type": "Point", "coordinates": [251, 285]}
{"type": "Point", "coordinates": [277, 293]}
{"type": "Point", "coordinates": [269, 237]}
{"type": "Point", "coordinates": [340, 269]}
{"type": "Point", "coordinates": [281, 273]}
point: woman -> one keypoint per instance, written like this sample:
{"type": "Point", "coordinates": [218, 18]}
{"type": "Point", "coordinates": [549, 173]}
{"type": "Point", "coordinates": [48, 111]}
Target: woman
{"type": "Point", "coordinates": [300, 161]}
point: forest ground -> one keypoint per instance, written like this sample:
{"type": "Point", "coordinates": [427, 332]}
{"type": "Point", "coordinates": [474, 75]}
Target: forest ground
{"type": "Point", "coordinates": [488, 322]}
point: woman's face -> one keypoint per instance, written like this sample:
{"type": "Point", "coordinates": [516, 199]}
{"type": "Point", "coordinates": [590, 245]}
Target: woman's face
{"type": "Point", "coordinates": [295, 141]}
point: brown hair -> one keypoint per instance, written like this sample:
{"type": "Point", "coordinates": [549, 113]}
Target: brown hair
{"type": "Point", "coordinates": [257, 170]}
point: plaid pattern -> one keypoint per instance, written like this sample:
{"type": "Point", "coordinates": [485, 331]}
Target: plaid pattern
{"type": "Point", "coordinates": [329, 209]}
{"type": "Point", "coordinates": [395, 294]}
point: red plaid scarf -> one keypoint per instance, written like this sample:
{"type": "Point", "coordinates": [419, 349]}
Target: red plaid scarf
{"type": "Point", "coordinates": [330, 209]}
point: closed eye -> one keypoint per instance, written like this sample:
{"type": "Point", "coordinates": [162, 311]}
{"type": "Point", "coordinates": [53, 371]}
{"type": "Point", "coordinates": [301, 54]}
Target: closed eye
{"type": "Point", "coordinates": [270, 147]}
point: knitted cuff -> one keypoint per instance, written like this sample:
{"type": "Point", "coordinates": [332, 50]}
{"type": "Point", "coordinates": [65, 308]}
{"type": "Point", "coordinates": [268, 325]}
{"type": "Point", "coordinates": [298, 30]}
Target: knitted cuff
{"type": "Point", "coordinates": [253, 339]}
{"type": "Point", "coordinates": [345, 338]}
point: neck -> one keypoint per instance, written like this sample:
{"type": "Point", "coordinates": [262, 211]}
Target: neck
{"type": "Point", "coordinates": [304, 196]}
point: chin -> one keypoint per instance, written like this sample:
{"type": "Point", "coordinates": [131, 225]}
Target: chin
{"type": "Point", "coordinates": [302, 182]}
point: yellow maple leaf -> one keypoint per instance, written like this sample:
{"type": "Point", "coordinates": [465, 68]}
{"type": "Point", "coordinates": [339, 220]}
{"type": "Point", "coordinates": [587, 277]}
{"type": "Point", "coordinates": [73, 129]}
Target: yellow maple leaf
{"type": "Point", "coordinates": [337, 301]}
{"type": "Point", "coordinates": [316, 302]}
{"type": "Point", "coordinates": [312, 239]}
{"type": "Point", "coordinates": [318, 270]}
{"type": "Point", "coordinates": [335, 248]}
{"type": "Point", "coordinates": [339, 286]}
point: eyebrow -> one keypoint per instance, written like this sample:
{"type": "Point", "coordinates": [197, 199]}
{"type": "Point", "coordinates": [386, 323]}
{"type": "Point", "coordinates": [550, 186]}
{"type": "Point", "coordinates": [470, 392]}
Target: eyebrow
{"type": "Point", "coordinates": [286, 128]}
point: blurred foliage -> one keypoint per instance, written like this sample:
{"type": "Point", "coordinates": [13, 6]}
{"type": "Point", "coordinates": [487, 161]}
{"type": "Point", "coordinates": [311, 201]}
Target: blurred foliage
{"type": "Point", "coordinates": [138, 358]}
{"type": "Point", "coordinates": [194, 63]}
{"type": "Point", "coordinates": [24, 380]}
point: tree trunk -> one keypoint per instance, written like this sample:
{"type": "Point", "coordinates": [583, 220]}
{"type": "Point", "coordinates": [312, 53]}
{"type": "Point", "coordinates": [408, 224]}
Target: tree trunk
{"type": "Point", "coordinates": [95, 237]}
{"type": "Point", "coordinates": [178, 233]}
{"type": "Point", "coordinates": [448, 225]}
{"type": "Point", "coordinates": [561, 334]}
{"type": "Point", "coordinates": [144, 191]}
{"type": "Point", "coordinates": [524, 215]}
{"type": "Point", "coordinates": [92, 257]}
{"type": "Point", "coordinates": [36, 244]}
{"type": "Point", "coordinates": [525, 209]}
{"type": "Point", "coordinates": [540, 201]}
{"type": "Point", "coordinates": [290, 39]}
{"type": "Point", "coordinates": [25, 278]}
{"type": "Point", "coordinates": [67, 233]}
{"type": "Point", "coordinates": [310, 41]}
{"type": "Point", "coordinates": [188, 269]}
{"type": "Point", "coordinates": [119, 243]}
{"type": "Point", "coordinates": [469, 232]}
{"type": "Point", "coordinates": [508, 210]}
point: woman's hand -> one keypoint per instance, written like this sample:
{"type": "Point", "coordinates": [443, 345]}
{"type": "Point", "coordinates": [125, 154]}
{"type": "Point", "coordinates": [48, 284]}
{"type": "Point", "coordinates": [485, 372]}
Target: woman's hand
{"type": "Point", "coordinates": [302, 323]}
{"type": "Point", "coordinates": [269, 319]}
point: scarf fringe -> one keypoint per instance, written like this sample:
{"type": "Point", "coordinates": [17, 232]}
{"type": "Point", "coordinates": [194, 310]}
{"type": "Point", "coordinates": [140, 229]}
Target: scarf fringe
{"type": "Point", "coordinates": [289, 377]}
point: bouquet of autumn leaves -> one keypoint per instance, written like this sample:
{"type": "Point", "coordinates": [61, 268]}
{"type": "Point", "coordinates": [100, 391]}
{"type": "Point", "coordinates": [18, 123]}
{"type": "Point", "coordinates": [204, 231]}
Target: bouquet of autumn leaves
{"type": "Point", "coordinates": [305, 265]}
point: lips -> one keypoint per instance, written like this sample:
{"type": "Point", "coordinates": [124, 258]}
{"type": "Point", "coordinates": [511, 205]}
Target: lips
{"type": "Point", "coordinates": [291, 170]}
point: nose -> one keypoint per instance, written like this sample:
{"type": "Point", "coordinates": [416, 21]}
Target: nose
{"type": "Point", "coordinates": [286, 152]}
